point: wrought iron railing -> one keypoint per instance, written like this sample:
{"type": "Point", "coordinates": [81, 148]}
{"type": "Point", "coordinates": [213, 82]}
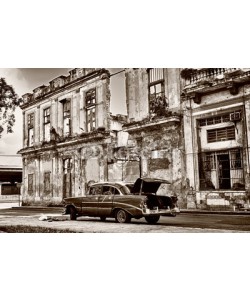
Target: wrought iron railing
{"type": "Point", "coordinates": [192, 76]}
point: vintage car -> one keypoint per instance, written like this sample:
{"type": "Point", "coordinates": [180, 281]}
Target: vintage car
{"type": "Point", "coordinates": [148, 198]}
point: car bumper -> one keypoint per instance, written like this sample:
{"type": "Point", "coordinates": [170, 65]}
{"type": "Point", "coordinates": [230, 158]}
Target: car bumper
{"type": "Point", "coordinates": [157, 211]}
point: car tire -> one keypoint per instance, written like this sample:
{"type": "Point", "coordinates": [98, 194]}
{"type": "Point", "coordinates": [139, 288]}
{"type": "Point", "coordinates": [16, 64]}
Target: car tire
{"type": "Point", "coordinates": [103, 219]}
{"type": "Point", "coordinates": [152, 219]}
{"type": "Point", "coordinates": [121, 216]}
{"type": "Point", "coordinates": [72, 212]}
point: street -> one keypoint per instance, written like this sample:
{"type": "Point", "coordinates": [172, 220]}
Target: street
{"type": "Point", "coordinates": [183, 223]}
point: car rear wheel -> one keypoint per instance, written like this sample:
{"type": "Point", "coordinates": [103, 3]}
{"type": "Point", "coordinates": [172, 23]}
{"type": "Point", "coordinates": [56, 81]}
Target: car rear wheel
{"type": "Point", "coordinates": [72, 212]}
{"type": "Point", "coordinates": [103, 219]}
{"type": "Point", "coordinates": [152, 219]}
{"type": "Point", "coordinates": [122, 216]}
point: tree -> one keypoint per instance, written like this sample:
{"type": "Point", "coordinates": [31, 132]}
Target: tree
{"type": "Point", "coordinates": [8, 103]}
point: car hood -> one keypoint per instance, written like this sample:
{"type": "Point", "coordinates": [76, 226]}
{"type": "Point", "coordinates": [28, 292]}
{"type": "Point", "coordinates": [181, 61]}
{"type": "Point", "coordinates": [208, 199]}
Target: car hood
{"type": "Point", "coordinates": [147, 185]}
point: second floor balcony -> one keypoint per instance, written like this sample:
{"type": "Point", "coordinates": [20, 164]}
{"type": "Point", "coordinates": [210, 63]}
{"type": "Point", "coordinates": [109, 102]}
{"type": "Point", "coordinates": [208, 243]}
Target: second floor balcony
{"type": "Point", "coordinates": [194, 77]}
{"type": "Point", "coordinates": [208, 80]}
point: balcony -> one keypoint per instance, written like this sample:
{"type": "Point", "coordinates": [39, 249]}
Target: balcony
{"type": "Point", "coordinates": [200, 81]}
{"type": "Point", "coordinates": [193, 76]}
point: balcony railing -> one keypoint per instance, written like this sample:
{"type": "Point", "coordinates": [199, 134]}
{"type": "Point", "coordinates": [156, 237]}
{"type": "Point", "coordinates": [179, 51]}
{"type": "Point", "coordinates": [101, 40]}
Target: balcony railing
{"type": "Point", "coordinates": [192, 76]}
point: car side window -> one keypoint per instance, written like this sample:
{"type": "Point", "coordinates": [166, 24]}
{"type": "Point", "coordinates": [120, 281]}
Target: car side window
{"type": "Point", "coordinates": [95, 190]}
{"type": "Point", "coordinates": [116, 191]}
{"type": "Point", "coordinates": [91, 190]}
{"type": "Point", "coordinates": [110, 190]}
{"type": "Point", "coordinates": [107, 190]}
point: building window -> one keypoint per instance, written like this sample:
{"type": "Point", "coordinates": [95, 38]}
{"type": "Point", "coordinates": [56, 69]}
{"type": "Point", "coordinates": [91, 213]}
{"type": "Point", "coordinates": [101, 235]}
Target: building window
{"type": "Point", "coordinates": [66, 117]}
{"type": "Point", "coordinates": [157, 99]}
{"type": "Point", "coordinates": [233, 116]}
{"type": "Point", "coordinates": [46, 124]}
{"type": "Point", "coordinates": [221, 134]}
{"type": "Point", "coordinates": [47, 182]}
{"type": "Point", "coordinates": [221, 170]}
{"type": "Point", "coordinates": [31, 129]}
{"type": "Point", "coordinates": [90, 99]}
{"type": "Point", "coordinates": [30, 182]}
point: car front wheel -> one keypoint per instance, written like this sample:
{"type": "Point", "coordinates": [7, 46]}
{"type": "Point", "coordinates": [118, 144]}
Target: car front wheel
{"type": "Point", "coordinates": [152, 219]}
{"type": "Point", "coordinates": [122, 216]}
{"type": "Point", "coordinates": [72, 213]}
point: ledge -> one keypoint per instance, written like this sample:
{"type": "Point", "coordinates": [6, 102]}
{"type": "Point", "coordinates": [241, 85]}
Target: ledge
{"type": "Point", "coordinates": [146, 123]}
{"type": "Point", "coordinates": [54, 145]}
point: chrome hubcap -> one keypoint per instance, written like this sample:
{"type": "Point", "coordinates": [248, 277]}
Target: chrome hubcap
{"type": "Point", "coordinates": [121, 216]}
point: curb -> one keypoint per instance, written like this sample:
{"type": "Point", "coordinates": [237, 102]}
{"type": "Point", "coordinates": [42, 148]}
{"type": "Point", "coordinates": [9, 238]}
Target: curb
{"type": "Point", "coordinates": [32, 208]}
{"type": "Point", "coordinates": [221, 212]}
{"type": "Point", "coordinates": [184, 211]}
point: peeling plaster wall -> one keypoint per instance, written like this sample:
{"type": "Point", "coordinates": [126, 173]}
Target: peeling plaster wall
{"type": "Point", "coordinates": [89, 159]}
{"type": "Point", "coordinates": [78, 109]}
{"type": "Point", "coordinates": [30, 168]}
{"type": "Point", "coordinates": [159, 147]}
{"type": "Point", "coordinates": [137, 91]}
{"type": "Point", "coordinates": [172, 88]}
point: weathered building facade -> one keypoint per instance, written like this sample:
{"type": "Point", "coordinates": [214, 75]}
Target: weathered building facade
{"type": "Point", "coordinates": [155, 142]}
{"type": "Point", "coordinates": [67, 130]}
{"type": "Point", "coordinates": [188, 126]}
{"type": "Point", "coordinates": [216, 119]}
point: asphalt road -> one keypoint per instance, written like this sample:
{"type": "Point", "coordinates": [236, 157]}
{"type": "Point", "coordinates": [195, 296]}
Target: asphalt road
{"type": "Point", "coordinates": [185, 222]}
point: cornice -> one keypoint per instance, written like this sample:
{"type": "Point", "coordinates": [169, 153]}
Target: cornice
{"type": "Point", "coordinates": [68, 85]}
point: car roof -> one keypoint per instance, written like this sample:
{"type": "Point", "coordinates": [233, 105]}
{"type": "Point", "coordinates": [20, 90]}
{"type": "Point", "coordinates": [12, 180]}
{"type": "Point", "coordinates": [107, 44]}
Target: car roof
{"type": "Point", "coordinates": [118, 184]}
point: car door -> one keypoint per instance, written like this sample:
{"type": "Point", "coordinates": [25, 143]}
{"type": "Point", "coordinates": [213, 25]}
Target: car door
{"type": "Point", "coordinates": [105, 203]}
{"type": "Point", "coordinates": [90, 202]}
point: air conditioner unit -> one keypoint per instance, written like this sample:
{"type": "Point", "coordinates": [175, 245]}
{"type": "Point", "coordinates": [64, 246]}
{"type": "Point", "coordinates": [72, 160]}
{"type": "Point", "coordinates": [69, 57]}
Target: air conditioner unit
{"type": "Point", "coordinates": [235, 116]}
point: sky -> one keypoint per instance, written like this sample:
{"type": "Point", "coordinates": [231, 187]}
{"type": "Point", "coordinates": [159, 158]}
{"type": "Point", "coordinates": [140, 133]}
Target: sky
{"type": "Point", "coordinates": [25, 80]}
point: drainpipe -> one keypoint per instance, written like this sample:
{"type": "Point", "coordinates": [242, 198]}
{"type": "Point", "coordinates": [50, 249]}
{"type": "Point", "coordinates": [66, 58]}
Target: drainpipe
{"type": "Point", "coordinates": [245, 133]}
{"type": "Point", "coordinates": [193, 144]}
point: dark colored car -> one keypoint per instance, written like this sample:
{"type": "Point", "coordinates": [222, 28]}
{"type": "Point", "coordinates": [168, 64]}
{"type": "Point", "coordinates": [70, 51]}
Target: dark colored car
{"type": "Point", "coordinates": [148, 198]}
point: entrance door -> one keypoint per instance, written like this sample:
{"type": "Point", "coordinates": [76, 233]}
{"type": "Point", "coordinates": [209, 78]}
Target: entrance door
{"type": "Point", "coordinates": [67, 182]}
{"type": "Point", "coordinates": [224, 171]}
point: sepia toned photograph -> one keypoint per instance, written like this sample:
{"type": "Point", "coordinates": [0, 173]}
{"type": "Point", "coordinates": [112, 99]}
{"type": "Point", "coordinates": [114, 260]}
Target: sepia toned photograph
{"type": "Point", "coordinates": [122, 150]}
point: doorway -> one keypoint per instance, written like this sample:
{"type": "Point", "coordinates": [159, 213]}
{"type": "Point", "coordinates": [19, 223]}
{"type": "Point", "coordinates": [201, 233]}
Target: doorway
{"type": "Point", "coordinates": [224, 171]}
{"type": "Point", "coordinates": [67, 175]}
